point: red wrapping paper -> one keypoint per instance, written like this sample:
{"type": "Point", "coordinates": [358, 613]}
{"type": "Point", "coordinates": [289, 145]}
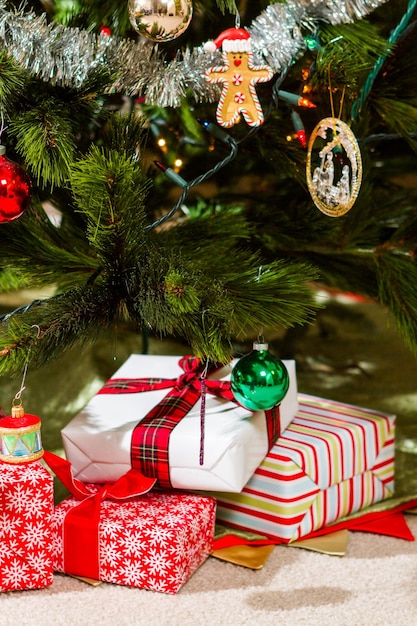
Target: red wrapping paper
{"type": "Point", "coordinates": [153, 541]}
{"type": "Point", "coordinates": [26, 509]}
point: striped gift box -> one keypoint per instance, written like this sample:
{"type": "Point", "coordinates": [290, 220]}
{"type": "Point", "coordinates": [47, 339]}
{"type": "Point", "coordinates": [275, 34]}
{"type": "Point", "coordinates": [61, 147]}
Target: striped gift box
{"type": "Point", "coordinates": [333, 459]}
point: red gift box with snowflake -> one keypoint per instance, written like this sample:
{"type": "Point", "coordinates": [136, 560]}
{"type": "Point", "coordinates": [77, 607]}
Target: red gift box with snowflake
{"type": "Point", "coordinates": [117, 533]}
{"type": "Point", "coordinates": [26, 509]}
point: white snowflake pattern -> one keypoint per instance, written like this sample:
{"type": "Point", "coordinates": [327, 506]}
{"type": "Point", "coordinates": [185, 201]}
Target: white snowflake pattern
{"type": "Point", "coordinates": [194, 529]}
{"type": "Point", "coordinates": [207, 513]}
{"type": "Point", "coordinates": [157, 584]}
{"type": "Point", "coordinates": [182, 505]}
{"type": "Point", "coordinates": [35, 534]}
{"type": "Point", "coordinates": [171, 520]}
{"type": "Point", "coordinates": [122, 512]}
{"type": "Point", "coordinates": [130, 573]}
{"type": "Point", "coordinates": [37, 475]}
{"type": "Point", "coordinates": [15, 575]}
{"type": "Point", "coordinates": [150, 547]}
{"type": "Point", "coordinates": [140, 523]}
{"type": "Point", "coordinates": [109, 554]}
{"type": "Point", "coordinates": [179, 551]}
{"type": "Point", "coordinates": [158, 535]}
{"type": "Point", "coordinates": [59, 516]}
{"type": "Point", "coordinates": [5, 481]}
{"type": "Point", "coordinates": [151, 509]}
{"type": "Point", "coordinates": [10, 548]}
{"type": "Point", "coordinates": [33, 474]}
{"type": "Point", "coordinates": [133, 544]}
{"type": "Point", "coordinates": [182, 571]}
{"type": "Point", "coordinates": [111, 528]}
{"type": "Point", "coordinates": [15, 498]}
{"type": "Point", "coordinates": [39, 504]}
{"type": "Point", "coordinates": [9, 526]}
{"type": "Point", "coordinates": [26, 505]}
{"type": "Point", "coordinates": [157, 561]}
{"type": "Point", "coordinates": [57, 546]}
{"type": "Point", "coordinates": [40, 564]}
{"type": "Point", "coordinates": [22, 499]}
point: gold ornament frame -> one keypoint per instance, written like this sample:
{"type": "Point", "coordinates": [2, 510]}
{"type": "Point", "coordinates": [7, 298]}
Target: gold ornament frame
{"type": "Point", "coordinates": [332, 199]}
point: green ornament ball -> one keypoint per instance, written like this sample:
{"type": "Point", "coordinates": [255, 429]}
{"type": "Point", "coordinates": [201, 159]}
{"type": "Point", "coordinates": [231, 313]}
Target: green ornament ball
{"type": "Point", "coordinates": [259, 380]}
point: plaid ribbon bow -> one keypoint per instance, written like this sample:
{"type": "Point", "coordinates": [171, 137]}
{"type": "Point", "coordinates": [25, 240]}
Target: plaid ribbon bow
{"type": "Point", "coordinates": [150, 438]}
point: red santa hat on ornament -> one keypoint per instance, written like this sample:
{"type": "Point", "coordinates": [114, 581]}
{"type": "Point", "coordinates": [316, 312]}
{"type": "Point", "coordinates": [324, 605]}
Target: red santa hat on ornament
{"type": "Point", "coordinates": [231, 40]}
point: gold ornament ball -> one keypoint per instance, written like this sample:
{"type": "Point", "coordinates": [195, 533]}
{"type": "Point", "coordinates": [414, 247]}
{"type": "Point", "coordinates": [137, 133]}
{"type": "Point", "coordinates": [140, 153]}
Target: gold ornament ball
{"type": "Point", "coordinates": [160, 20]}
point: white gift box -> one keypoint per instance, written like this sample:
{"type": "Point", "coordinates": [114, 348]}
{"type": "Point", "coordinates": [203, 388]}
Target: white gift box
{"type": "Point", "coordinates": [97, 440]}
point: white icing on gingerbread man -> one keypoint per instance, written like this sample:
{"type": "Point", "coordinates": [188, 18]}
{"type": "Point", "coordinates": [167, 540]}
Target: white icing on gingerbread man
{"type": "Point", "coordinates": [238, 76]}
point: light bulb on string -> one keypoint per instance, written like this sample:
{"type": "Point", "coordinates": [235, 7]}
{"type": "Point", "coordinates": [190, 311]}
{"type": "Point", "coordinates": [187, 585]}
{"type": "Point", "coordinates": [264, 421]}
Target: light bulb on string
{"type": "Point", "coordinates": [259, 380]}
{"type": "Point", "coordinates": [299, 128]}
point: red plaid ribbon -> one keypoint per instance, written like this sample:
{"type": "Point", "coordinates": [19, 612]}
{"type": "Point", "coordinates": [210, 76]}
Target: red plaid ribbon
{"type": "Point", "coordinates": [150, 438]}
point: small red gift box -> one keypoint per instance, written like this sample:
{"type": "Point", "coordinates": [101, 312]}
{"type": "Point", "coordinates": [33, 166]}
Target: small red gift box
{"type": "Point", "coordinates": [26, 509]}
{"type": "Point", "coordinates": [153, 541]}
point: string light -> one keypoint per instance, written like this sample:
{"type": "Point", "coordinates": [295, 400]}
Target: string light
{"type": "Point", "coordinates": [299, 128]}
{"type": "Point", "coordinates": [186, 186]}
{"type": "Point", "coordinates": [171, 174]}
{"type": "Point", "coordinates": [295, 99]}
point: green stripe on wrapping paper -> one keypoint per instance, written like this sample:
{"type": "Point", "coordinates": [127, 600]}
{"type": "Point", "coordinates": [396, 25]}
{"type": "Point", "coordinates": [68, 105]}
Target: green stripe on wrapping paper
{"type": "Point", "coordinates": [301, 454]}
{"type": "Point", "coordinates": [321, 513]}
{"type": "Point", "coordinates": [333, 445]}
{"type": "Point", "coordinates": [342, 409]}
{"type": "Point", "coordinates": [357, 433]}
{"type": "Point", "coordinates": [289, 485]}
{"type": "Point", "coordinates": [274, 501]}
{"type": "Point", "coordinates": [385, 474]}
{"type": "Point", "coordinates": [284, 468]}
{"type": "Point", "coordinates": [257, 503]}
{"type": "Point", "coordinates": [382, 424]}
{"type": "Point", "coordinates": [345, 502]}
{"type": "Point", "coordinates": [384, 466]}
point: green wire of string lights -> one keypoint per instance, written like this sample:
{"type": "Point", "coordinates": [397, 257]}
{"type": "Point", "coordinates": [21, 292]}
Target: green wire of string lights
{"type": "Point", "coordinates": [394, 36]}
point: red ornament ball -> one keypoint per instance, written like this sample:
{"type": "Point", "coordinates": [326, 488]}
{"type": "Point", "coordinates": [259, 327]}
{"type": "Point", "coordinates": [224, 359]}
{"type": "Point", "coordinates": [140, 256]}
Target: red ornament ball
{"type": "Point", "coordinates": [15, 188]}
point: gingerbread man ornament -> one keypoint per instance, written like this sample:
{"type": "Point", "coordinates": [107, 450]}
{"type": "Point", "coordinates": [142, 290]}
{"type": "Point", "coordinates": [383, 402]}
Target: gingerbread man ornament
{"type": "Point", "coordinates": [238, 76]}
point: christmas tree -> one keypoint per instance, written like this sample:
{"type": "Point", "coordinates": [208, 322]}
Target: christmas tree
{"type": "Point", "coordinates": [181, 211]}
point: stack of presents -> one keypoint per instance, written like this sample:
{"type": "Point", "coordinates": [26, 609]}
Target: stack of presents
{"type": "Point", "coordinates": [155, 464]}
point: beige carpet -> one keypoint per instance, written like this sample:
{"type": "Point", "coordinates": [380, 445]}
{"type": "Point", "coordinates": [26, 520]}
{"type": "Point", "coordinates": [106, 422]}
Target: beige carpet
{"type": "Point", "coordinates": [374, 584]}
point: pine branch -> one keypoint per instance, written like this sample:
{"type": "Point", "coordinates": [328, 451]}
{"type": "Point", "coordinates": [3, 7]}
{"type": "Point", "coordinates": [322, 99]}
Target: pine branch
{"type": "Point", "coordinates": [400, 117]}
{"type": "Point", "coordinates": [45, 140]}
{"type": "Point", "coordinates": [397, 273]}
{"type": "Point", "coordinates": [13, 83]}
{"type": "Point", "coordinates": [347, 56]}
{"type": "Point", "coordinates": [36, 252]}
{"type": "Point", "coordinates": [75, 318]}
{"type": "Point", "coordinates": [110, 190]}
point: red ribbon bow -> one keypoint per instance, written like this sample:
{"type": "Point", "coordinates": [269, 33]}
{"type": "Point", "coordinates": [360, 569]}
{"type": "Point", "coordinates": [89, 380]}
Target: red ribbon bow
{"type": "Point", "coordinates": [81, 536]}
{"type": "Point", "coordinates": [150, 438]}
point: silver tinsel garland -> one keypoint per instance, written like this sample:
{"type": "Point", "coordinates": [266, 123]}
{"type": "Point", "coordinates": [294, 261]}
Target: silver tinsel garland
{"type": "Point", "coordinates": [67, 56]}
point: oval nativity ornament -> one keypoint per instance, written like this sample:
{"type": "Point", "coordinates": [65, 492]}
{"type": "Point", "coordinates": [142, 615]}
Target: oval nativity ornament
{"type": "Point", "coordinates": [334, 167]}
